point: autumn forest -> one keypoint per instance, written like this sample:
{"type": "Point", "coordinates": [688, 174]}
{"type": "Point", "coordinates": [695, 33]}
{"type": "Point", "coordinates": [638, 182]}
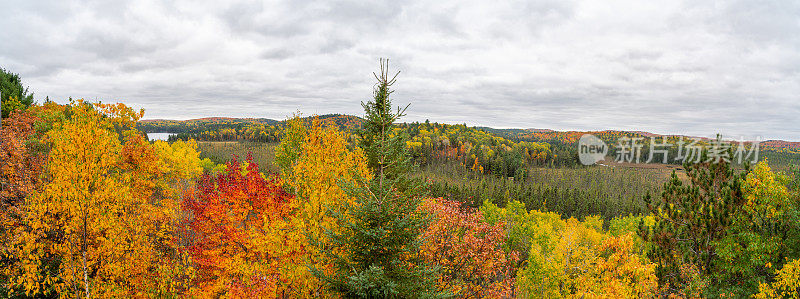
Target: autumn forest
{"type": "Point", "coordinates": [373, 206]}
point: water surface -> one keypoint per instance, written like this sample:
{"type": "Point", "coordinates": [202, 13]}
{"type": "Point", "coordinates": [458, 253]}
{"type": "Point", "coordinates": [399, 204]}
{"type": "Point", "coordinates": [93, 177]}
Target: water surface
{"type": "Point", "coordinates": [159, 136]}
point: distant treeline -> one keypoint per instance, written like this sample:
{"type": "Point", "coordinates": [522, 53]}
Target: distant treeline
{"type": "Point", "coordinates": [501, 152]}
{"type": "Point", "coordinates": [235, 129]}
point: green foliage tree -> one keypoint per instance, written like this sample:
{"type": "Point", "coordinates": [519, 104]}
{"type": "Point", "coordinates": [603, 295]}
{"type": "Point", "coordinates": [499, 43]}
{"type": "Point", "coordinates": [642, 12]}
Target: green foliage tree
{"type": "Point", "coordinates": [794, 179]}
{"type": "Point", "coordinates": [765, 232]}
{"type": "Point", "coordinates": [13, 95]}
{"type": "Point", "coordinates": [377, 250]}
{"type": "Point", "coordinates": [289, 149]}
{"type": "Point", "coordinates": [690, 220]}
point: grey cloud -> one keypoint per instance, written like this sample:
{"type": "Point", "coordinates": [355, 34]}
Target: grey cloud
{"type": "Point", "coordinates": [689, 68]}
{"type": "Point", "coordinates": [276, 53]}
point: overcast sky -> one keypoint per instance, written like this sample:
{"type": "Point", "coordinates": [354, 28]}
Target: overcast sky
{"type": "Point", "coordinates": [693, 67]}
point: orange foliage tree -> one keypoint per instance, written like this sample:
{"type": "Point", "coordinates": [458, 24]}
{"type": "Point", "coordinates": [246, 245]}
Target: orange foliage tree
{"type": "Point", "coordinates": [20, 175]}
{"type": "Point", "coordinates": [20, 166]}
{"type": "Point", "coordinates": [468, 252]}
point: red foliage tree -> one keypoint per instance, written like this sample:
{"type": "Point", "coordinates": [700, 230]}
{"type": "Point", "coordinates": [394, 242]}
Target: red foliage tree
{"type": "Point", "coordinates": [235, 245]}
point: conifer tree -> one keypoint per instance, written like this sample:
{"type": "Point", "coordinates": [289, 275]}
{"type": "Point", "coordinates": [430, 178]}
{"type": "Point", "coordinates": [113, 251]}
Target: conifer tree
{"type": "Point", "coordinates": [377, 249]}
{"type": "Point", "coordinates": [13, 95]}
{"type": "Point", "coordinates": [690, 219]}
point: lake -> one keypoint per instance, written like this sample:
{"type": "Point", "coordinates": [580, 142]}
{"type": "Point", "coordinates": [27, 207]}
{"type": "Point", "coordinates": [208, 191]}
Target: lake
{"type": "Point", "coordinates": [159, 136]}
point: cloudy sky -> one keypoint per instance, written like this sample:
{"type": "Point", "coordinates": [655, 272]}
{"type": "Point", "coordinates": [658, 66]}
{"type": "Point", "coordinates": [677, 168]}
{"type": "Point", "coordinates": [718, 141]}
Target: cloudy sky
{"type": "Point", "coordinates": [693, 67]}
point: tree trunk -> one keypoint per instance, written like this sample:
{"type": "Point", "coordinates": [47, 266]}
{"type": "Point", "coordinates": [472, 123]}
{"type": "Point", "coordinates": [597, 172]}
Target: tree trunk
{"type": "Point", "coordinates": [85, 276]}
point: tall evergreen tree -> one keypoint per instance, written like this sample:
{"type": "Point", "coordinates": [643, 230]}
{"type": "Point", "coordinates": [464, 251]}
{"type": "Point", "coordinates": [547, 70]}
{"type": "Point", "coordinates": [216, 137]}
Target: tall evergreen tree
{"type": "Point", "coordinates": [12, 94]}
{"type": "Point", "coordinates": [376, 253]}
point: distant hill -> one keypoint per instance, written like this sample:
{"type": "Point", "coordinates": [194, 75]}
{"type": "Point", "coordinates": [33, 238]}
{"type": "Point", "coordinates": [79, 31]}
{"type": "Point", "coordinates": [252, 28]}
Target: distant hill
{"type": "Point", "coordinates": [268, 121]}
{"type": "Point", "coordinates": [780, 144]}
{"type": "Point", "coordinates": [540, 130]}
{"type": "Point", "coordinates": [344, 121]}
{"type": "Point", "coordinates": [337, 118]}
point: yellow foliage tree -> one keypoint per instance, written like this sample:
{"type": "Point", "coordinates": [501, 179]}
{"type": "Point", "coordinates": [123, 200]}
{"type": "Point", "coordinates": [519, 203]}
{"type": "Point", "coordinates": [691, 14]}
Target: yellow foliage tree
{"type": "Point", "coordinates": [618, 272]}
{"type": "Point", "coordinates": [559, 259]}
{"type": "Point", "coordinates": [324, 162]}
{"type": "Point", "coordinates": [571, 258]}
{"type": "Point", "coordinates": [786, 285]}
{"type": "Point", "coordinates": [98, 228]}
{"type": "Point", "coordinates": [179, 166]}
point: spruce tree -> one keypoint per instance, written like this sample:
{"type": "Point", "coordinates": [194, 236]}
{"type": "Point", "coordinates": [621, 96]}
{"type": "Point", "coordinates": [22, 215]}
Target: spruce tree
{"type": "Point", "coordinates": [376, 253]}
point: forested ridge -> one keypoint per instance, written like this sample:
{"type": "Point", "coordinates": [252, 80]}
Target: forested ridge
{"type": "Point", "coordinates": [432, 140]}
{"type": "Point", "coordinates": [374, 207]}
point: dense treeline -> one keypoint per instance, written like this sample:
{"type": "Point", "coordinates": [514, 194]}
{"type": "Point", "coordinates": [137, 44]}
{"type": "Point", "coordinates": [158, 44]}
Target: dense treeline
{"type": "Point", "coordinates": [501, 152]}
{"type": "Point", "coordinates": [781, 159]}
{"type": "Point", "coordinates": [196, 126]}
{"type": "Point", "coordinates": [235, 129]}
{"type": "Point", "coordinates": [652, 148]}
{"type": "Point", "coordinates": [473, 149]}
